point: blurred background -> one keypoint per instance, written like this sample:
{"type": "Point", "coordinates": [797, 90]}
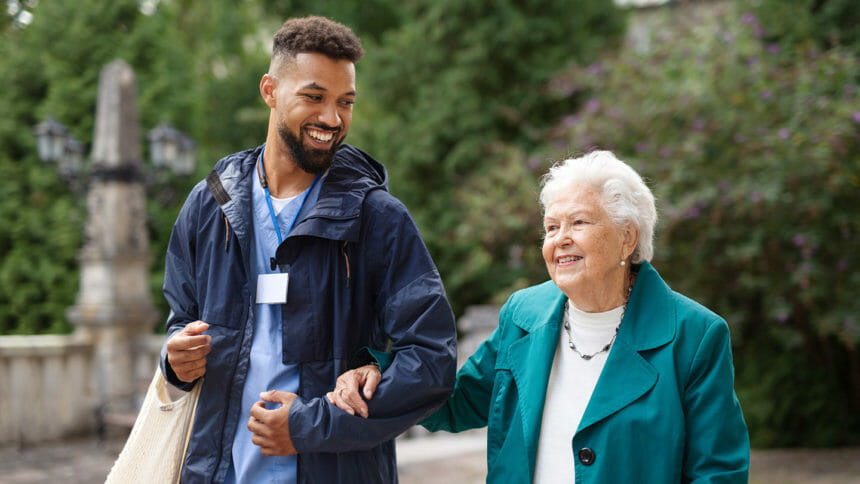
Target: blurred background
{"type": "Point", "coordinates": [742, 115]}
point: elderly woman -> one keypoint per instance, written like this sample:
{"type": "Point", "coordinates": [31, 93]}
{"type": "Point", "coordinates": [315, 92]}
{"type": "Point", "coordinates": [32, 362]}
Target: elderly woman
{"type": "Point", "coordinates": [603, 374]}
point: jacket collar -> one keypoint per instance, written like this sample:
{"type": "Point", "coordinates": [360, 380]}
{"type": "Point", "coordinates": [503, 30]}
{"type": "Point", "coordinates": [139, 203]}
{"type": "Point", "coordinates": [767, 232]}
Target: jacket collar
{"type": "Point", "coordinates": [649, 320]}
{"type": "Point", "coordinates": [352, 176]}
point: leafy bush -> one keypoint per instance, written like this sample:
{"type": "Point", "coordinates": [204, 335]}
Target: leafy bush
{"type": "Point", "coordinates": [752, 151]}
{"type": "Point", "coordinates": [824, 23]}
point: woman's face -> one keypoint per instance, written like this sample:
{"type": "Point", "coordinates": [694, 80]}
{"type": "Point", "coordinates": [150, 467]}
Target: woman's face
{"type": "Point", "coordinates": [583, 249]}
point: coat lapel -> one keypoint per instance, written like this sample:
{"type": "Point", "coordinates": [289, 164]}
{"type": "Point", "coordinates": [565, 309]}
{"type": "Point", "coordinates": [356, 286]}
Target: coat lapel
{"type": "Point", "coordinates": [530, 360]}
{"type": "Point", "coordinates": [649, 322]}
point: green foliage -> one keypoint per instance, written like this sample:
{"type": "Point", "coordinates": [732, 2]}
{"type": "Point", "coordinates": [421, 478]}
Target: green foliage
{"type": "Point", "coordinates": [441, 93]}
{"type": "Point", "coordinates": [752, 152]}
{"type": "Point", "coordinates": [825, 23]}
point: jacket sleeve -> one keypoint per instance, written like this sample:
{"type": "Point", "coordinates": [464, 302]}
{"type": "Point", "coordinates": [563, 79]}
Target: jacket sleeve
{"type": "Point", "coordinates": [717, 447]}
{"type": "Point", "coordinates": [180, 287]}
{"type": "Point", "coordinates": [469, 404]}
{"type": "Point", "coordinates": [414, 315]}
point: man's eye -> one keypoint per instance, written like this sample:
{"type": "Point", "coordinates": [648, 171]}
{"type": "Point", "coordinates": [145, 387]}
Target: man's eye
{"type": "Point", "coordinates": [314, 97]}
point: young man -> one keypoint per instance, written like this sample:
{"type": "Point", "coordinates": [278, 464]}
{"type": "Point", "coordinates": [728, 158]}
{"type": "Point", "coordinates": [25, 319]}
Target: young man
{"type": "Point", "coordinates": [289, 265]}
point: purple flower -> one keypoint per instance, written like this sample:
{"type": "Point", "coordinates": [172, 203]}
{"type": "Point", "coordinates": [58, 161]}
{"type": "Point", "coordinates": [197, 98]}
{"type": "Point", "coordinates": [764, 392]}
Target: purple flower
{"type": "Point", "coordinates": [799, 240]}
{"type": "Point", "coordinates": [782, 317]}
{"type": "Point", "coordinates": [773, 49]}
{"type": "Point", "coordinates": [755, 197]}
{"type": "Point", "coordinates": [739, 138]}
{"type": "Point", "coordinates": [692, 212]}
{"type": "Point", "coordinates": [533, 163]}
{"type": "Point", "coordinates": [766, 94]}
{"type": "Point", "coordinates": [748, 18]}
{"type": "Point", "coordinates": [570, 121]}
{"type": "Point", "coordinates": [592, 106]}
{"type": "Point", "coordinates": [725, 185]}
{"type": "Point", "coordinates": [699, 125]}
{"type": "Point", "coordinates": [665, 152]}
{"type": "Point", "coordinates": [594, 69]}
{"type": "Point", "coordinates": [842, 265]}
{"type": "Point", "coordinates": [783, 133]}
{"type": "Point", "coordinates": [641, 147]}
{"type": "Point", "coordinates": [856, 117]}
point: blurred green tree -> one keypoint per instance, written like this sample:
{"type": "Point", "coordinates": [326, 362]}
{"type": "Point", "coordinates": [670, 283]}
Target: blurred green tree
{"type": "Point", "coordinates": [189, 64]}
{"type": "Point", "coordinates": [443, 94]}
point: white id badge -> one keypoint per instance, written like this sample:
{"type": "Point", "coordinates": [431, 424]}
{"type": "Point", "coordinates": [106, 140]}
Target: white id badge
{"type": "Point", "coordinates": [272, 288]}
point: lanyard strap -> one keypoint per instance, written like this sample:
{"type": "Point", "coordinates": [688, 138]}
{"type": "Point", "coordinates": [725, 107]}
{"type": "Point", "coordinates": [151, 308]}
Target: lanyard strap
{"type": "Point", "coordinates": [272, 209]}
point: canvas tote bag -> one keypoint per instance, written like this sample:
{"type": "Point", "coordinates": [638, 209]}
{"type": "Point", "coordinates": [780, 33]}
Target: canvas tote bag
{"type": "Point", "coordinates": [156, 446]}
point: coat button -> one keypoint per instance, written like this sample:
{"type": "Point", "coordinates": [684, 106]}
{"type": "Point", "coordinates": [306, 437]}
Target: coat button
{"type": "Point", "coordinates": [586, 456]}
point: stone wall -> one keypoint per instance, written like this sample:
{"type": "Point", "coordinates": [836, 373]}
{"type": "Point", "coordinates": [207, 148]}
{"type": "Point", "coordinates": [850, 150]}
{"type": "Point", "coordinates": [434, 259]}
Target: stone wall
{"type": "Point", "coordinates": [47, 386]}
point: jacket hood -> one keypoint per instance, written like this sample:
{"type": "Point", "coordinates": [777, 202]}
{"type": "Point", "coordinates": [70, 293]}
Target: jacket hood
{"type": "Point", "coordinates": [358, 167]}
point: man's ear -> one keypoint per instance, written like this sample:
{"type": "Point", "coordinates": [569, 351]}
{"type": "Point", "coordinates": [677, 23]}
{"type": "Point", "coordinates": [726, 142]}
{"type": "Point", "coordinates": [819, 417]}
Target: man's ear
{"type": "Point", "coordinates": [269, 90]}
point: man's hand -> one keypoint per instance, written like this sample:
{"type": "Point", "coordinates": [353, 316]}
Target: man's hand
{"type": "Point", "coordinates": [271, 428]}
{"type": "Point", "coordinates": [187, 350]}
{"type": "Point", "coordinates": [345, 394]}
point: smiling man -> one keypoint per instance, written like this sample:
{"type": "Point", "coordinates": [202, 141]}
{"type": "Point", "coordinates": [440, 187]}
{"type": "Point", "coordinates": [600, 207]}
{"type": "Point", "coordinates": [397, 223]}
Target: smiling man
{"type": "Point", "coordinates": [290, 264]}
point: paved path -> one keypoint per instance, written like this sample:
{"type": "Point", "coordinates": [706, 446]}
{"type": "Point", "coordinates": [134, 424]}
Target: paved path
{"type": "Point", "coordinates": [437, 459]}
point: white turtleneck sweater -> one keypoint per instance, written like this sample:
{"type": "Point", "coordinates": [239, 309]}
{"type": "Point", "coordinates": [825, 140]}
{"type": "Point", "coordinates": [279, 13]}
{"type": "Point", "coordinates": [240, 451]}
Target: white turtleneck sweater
{"type": "Point", "coordinates": [571, 384]}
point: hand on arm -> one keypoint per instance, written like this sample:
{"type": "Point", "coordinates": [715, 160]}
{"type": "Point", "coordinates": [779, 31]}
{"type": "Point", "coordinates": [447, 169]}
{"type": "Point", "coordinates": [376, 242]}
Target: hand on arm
{"type": "Point", "coordinates": [271, 428]}
{"type": "Point", "coordinates": [346, 391]}
{"type": "Point", "coordinates": [187, 350]}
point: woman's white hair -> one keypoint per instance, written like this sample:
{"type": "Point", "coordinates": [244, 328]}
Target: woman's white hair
{"type": "Point", "coordinates": [626, 197]}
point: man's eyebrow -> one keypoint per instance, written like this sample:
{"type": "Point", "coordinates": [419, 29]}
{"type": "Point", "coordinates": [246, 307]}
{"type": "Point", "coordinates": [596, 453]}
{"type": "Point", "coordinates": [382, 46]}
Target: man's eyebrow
{"type": "Point", "coordinates": [316, 87]}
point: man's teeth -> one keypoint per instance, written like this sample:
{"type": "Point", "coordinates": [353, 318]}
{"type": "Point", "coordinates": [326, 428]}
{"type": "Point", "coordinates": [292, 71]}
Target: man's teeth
{"type": "Point", "coordinates": [321, 135]}
{"type": "Point", "coordinates": [569, 258]}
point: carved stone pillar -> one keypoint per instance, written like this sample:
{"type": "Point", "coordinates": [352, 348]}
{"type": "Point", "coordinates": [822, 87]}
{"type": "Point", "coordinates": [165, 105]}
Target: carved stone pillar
{"type": "Point", "coordinates": [114, 307]}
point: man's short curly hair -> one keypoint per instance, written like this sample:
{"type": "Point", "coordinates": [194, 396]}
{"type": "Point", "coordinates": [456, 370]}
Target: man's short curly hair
{"type": "Point", "coordinates": [315, 34]}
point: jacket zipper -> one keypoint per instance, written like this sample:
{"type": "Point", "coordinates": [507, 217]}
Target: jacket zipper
{"type": "Point", "coordinates": [346, 258]}
{"type": "Point", "coordinates": [227, 238]}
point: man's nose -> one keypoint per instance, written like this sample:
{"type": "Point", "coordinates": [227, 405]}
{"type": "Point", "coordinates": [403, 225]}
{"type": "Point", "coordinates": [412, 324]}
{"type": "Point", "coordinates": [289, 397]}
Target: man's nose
{"type": "Point", "coordinates": [329, 116]}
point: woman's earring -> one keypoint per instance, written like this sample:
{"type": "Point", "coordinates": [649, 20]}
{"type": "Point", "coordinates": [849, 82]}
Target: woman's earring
{"type": "Point", "coordinates": [623, 263]}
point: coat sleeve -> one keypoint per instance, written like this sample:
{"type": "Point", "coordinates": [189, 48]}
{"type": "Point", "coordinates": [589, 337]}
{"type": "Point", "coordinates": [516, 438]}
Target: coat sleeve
{"type": "Point", "coordinates": [180, 287]}
{"type": "Point", "coordinates": [414, 315]}
{"type": "Point", "coordinates": [469, 404]}
{"type": "Point", "coordinates": [717, 447]}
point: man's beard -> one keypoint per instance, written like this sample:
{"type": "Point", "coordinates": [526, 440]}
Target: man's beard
{"type": "Point", "coordinates": [308, 159]}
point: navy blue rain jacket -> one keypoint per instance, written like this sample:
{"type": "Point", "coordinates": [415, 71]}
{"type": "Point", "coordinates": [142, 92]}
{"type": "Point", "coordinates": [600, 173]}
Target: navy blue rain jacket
{"type": "Point", "coordinates": [362, 287]}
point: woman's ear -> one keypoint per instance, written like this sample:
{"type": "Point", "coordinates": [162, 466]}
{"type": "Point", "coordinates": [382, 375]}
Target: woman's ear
{"type": "Point", "coordinates": [269, 90]}
{"type": "Point", "coordinates": [631, 238]}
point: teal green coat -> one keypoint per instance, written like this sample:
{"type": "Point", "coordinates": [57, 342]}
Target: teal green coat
{"type": "Point", "coordinates": [664, 409]}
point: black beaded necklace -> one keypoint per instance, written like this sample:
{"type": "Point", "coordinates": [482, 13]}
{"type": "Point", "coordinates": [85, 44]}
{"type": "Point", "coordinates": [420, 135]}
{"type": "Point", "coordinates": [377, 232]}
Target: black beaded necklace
{"type": "Point", "coordinates": [569, 331]}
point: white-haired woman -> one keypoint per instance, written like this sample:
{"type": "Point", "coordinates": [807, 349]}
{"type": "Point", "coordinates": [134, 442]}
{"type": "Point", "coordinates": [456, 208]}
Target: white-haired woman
{"type": "Point", "coordinates": [603, 373]}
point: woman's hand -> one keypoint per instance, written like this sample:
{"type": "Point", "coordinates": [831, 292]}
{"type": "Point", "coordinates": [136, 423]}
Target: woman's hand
{"type": "Point", "coordinates": [345, 395]}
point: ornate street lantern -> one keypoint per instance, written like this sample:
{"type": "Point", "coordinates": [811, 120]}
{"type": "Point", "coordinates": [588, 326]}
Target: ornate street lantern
{"type": "Point", "coordinates": [169, 147]}
{"type": "Point", "coordinates": [50, 140]}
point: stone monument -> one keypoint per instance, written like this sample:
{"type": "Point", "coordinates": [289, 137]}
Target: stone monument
{"type": "Point", "coordinates": [114, 307]}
